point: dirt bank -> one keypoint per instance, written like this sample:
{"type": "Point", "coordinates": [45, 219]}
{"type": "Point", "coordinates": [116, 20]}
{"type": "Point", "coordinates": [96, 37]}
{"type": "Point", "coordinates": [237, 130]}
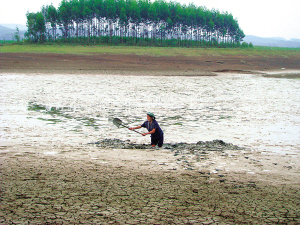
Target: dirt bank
{"type": "Point", "coordinates": [137, 65]}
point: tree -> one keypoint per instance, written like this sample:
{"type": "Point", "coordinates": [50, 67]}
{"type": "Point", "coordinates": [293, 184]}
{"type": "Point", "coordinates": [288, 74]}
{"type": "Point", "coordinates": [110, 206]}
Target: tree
{"type": "Point", "coordinates": [17, 35]}
{"type": "Point", "coordinates": [40, 26]}
{"type": "Point", "coordinates": [144, 14]}
{"type": "Point", "coordinates": [30, 33]}
{"type": "Point", "coordinates": [99, 14]}
{"type": "Point", "coordinates": [137, 19]}
{"type": "Point", "coordinates": [200, 21]}
{"type": "Point", "coordinates": [111, 16]}
{"type": "Point", "coordinates": [153, 16]}
{"type": "Point", "coordinates": [35, 27]}
{"type": "Point", "coordinates": [52, 18]}
{"type": "Point", "coordinates": [88, 15]}
{"type": "Point", "coordinates": [134, 15]}
{"type": "Point", "coordinates": [191, 18]}
{"type": "Point", "coordinates": [65, 16]}
{"type": "Point", "coordinates": [123, 22]}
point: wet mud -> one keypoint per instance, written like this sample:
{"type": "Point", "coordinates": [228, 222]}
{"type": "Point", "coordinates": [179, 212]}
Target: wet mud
{"type": "Point", "coordinates": [216, 145]}
{"type": "Point", "coordinates": [50, 175]}
{"type": "Point", "coordinates": [188, 154]}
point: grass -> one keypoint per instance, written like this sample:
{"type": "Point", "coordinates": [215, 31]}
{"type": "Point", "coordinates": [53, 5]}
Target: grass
{"type": "Point", "coordinates": [149, 51]}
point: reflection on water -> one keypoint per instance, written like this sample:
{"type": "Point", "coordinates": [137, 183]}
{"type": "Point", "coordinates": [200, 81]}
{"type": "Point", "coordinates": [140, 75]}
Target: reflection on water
{"type": "Point", "coordinates": [247, 110]}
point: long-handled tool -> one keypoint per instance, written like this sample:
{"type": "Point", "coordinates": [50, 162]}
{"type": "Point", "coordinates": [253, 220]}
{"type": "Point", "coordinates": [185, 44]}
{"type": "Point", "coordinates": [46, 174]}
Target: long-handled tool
{"type": "Point", "coordinates": [119, 123]}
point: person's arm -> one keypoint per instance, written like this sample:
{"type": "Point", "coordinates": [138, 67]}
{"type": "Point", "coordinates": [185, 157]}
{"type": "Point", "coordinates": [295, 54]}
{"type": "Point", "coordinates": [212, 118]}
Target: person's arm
{"type": "Point", "coordinates": [133, 128]}
{"type": "Point", "coordinates": [150, 132]}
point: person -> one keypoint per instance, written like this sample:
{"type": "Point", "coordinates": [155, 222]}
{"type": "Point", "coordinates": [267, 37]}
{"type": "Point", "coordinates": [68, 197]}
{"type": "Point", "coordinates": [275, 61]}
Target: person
{"type": "Point", "coordinates": [157, 135]}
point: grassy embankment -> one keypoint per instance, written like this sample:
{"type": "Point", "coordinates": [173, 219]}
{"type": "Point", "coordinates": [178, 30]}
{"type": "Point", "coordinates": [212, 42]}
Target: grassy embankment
{"type": "Point", "coordinates": [150, 51]}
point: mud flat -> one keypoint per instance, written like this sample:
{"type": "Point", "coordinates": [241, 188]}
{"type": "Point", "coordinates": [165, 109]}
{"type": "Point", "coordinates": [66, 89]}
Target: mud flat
{"type": "Point", "coordinates": [201, 183]}
{"type": "Point", "coordinates": [115, 182]}
{"type": "Point", "coordinates": [124, 64]}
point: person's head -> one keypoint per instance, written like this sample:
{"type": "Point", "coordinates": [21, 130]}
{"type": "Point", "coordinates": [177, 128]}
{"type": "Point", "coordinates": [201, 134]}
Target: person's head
{"type": "Point", "coordinates": [150, 116]}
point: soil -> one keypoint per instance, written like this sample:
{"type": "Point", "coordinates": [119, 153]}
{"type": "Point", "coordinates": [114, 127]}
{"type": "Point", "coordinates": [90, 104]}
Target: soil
{"type": "Point", "coordinates": [91, 185]}
{"type": "Point", "coordinates": [141, 65]}
{"type": "Point", "coordinates": [95, 184]}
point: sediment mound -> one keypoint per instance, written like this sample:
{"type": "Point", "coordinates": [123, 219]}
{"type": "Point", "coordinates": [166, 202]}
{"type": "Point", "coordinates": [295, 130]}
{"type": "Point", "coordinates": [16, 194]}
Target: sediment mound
{"type": "Point", "coordinates": [215, 145]}
{"type": "Point", "coordinates": [186, 154]}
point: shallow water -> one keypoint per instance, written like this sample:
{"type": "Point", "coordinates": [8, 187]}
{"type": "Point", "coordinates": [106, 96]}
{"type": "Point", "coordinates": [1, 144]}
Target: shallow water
{"type": "Point", "coordinates": [44, 112]}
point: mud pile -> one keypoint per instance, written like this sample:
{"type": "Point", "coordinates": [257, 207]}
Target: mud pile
{"type": "Point", "coordinates": [200, 146]}
{"type": "Point", "coordinates": [187, 155]}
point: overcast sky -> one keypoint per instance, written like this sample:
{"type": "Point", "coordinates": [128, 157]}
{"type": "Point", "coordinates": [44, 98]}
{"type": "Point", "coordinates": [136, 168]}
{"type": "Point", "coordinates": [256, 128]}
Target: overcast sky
{"type": "Point", "coordinates": [263, 18]}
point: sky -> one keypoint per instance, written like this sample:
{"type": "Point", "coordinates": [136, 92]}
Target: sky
{"type": "Point", "coordinates": [263, 18]}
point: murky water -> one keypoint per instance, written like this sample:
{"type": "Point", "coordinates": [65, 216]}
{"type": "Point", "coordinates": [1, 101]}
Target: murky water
{"type": "Point", "coordinates": [43, 111]}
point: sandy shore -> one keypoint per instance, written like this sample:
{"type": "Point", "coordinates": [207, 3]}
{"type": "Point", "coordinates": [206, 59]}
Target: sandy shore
{"type": "Point", "coordinates": [92, 185]}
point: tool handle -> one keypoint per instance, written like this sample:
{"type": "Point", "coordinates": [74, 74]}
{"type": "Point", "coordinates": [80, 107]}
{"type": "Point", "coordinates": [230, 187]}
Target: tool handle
{"type": "Point", "coordinates": [132, 130]}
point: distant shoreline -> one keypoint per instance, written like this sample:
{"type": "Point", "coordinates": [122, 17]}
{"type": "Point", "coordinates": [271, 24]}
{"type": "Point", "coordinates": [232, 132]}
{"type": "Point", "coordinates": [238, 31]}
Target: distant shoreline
{"type": "Point", "coordinates": [185, 62]}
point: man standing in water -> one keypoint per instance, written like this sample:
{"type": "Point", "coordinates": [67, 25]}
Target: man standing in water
{"type": "Point", "coordinates": [157, 135]}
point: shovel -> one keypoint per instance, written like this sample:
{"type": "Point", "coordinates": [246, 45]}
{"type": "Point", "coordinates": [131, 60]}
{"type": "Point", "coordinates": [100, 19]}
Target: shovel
{"type": "Point", "coordinates": [119, 123]}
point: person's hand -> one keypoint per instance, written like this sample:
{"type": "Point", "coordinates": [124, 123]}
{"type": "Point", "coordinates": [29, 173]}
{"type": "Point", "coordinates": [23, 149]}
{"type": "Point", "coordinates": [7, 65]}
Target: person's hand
{"type": "Point", "coordinates": [144, 134]}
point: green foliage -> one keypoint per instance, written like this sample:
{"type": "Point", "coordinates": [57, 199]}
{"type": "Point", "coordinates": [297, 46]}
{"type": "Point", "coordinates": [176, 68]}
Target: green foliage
{"type": "Point", "coordinates": [245, 45]}
{"type": "Point", "coordinates": [17, 35]}
{"type": "Point", "coordinates": [36, 27]}
{"type": "Point", "coordinates": [151, 23]}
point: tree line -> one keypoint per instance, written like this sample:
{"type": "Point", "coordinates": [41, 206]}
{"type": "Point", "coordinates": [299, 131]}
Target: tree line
{"type": "Point", "coordinates": [135, 22]}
